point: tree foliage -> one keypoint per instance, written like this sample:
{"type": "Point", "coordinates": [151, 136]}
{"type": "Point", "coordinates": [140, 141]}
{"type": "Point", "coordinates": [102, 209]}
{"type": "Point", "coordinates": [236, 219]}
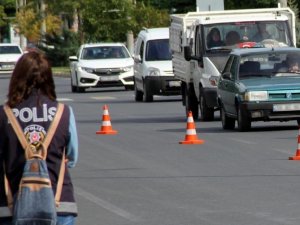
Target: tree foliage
{"type": "Point", "coordinates": [29, 21]}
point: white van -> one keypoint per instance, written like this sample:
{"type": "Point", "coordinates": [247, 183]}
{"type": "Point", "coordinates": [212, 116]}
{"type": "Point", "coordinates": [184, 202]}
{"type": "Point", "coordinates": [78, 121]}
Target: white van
{"type": "Point", "coordinates": [153, 72]}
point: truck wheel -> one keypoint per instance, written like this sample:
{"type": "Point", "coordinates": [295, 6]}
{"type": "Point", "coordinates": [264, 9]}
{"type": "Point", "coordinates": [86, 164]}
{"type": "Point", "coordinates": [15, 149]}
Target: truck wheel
{"type": "Point", "coordinates": [244, 122]}
{"type": "Point", "coordinates": [191, 104]}
{"type": "Point", "coordinates": [138, 94]}
{"type": "Point", "coordinates": [147, 96]}
{"type": "Point", "coordinates": [207, 113]}
{"type": "Point", "coordinates": [228, 123]}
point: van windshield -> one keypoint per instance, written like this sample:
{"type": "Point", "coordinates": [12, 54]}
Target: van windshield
{"type": "Point", "coordinates": [247, 34]}
{"type": "Point", "coordinates": [158, 50]}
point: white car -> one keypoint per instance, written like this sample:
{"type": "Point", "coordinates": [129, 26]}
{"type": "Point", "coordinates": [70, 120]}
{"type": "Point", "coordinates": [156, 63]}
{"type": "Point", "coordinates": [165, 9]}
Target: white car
{"type": "Point", "coordinates": [101, 65]}
{"type": "Point", "coordinates": [9, 55]}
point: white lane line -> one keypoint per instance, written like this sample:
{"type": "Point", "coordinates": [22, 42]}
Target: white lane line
{"type": "Point", "coordinates": [65, 99]}
{"type": "Point", "coordinates": [106, 205]}
{"type": "Point", "coordinates": [282, 151]}
{"type": "Point", "coordinates": [102, 97]}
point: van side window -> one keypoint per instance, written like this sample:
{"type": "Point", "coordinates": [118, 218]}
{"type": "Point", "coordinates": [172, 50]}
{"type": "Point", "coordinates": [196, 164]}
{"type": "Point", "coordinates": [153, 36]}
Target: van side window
{"type": "Point", "coordinates": [141, 53]}
{"type": "Point", "coordinates": [198, 45]}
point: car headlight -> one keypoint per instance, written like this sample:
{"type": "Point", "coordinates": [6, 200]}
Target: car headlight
{"type": "Point", "coordinates": [256, 96]}
{"type": "Point", "coordinates": [153, 72]}
{"type": "Point", "coordinates": [86, 69]}
{"type": "Point", "coordinates": [127, 69]}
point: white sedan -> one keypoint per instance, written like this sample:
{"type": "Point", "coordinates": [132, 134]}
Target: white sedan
{"type": "Point", "coordinates": [101, 65]}
{"type": "Point", "coordinates": [9, 55]}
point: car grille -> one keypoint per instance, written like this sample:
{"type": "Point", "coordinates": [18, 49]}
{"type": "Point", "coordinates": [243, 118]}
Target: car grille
{"type": "Point", "coordinates": [108, 71]}
{"type": "Point", "coordinates": [6, 66]}
{"type": "Point", "coordinates": [286, 96]}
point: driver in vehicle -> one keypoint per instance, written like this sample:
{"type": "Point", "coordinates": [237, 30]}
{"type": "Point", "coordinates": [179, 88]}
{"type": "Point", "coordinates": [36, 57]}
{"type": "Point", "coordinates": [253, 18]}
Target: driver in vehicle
{"type": "Point", "coordinates": [293, 62]}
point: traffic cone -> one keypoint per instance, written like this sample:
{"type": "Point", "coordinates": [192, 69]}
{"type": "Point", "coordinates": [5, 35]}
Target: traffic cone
{"type": "Point", "coordinates": [191, 136]}
{"type": "Point", "coordinates": [106, 127]}
{"type": "Point", "coordinates": [297, 155]}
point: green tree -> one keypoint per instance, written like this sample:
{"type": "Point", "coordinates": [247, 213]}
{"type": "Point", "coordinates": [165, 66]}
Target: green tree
{"type": "Point", "coordinates": [2, 21]}
{"type": "Point", "coordinates": [106, 20]}
{"type": "Point", "coordinates": [149, 17]}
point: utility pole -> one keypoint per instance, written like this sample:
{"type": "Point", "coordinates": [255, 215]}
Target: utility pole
{"type": "Point", "coordinates": [43, 14]}
{"type": "Point", "coordinates": [20, 4]}
{"type": "Point", "coordinates": [283, 3]}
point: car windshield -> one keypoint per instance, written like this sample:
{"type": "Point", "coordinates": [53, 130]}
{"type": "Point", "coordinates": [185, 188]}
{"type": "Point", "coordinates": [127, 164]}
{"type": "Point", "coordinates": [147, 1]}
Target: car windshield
{"type": "Point", "coordinates": [158, 50]}
{"type": "Point", "coordinates": [104, 52]}
{"type": "Point", "coordinates": [270, 65]}
{"type": "Point", "coordinates": [10, 50]}
{"type": "Point", "coordinates": [247, 34]}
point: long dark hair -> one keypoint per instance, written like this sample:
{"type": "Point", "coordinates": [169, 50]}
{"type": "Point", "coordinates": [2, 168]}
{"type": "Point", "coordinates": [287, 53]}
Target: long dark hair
{"type": "Point", "coordinates": [32, 71]}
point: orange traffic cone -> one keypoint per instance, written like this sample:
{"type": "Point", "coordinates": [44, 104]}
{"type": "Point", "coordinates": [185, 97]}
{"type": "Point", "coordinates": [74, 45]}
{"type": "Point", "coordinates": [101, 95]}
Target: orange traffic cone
{"type": "Point", "coordinates": [191, 136]}
{"type": "Point", "coordinates": [106, 127]}
{"type": "Point", "coordinates": [297, 155]}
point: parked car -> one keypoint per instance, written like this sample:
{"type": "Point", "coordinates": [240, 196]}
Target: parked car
{"type": "Point", "coordinates": [153, 71]}
{"type": "Point", "coordinates": [101, 65]}
{"type": "Point", "coordinates": [259, 84]}
{"type": "Point", "coordinates": [9, 55]}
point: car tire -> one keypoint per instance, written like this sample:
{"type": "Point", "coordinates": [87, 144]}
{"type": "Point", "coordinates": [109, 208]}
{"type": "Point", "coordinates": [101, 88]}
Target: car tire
{"type": "Point", "coordinates": [244, 122]}
{"type": "Point", "coordinates": [207, 113]}
{"type": "Point", "coordinates": [191, 103]}
{"type": "Point", "coordinates": [147, 96]}
{"type": "Point", "coordinates": [138, 95]}
{"type": "Point", "coordinates": [228, 123]}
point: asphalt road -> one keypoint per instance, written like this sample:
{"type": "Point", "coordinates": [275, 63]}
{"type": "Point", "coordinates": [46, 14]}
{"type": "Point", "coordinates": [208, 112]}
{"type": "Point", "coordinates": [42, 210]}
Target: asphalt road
{"type": "Point", "coordinates": [143, 176]}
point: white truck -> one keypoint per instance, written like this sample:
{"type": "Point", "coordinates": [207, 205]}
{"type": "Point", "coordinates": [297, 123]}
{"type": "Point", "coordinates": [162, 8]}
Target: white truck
{"type": "Point", "coordinates": [198, 64]}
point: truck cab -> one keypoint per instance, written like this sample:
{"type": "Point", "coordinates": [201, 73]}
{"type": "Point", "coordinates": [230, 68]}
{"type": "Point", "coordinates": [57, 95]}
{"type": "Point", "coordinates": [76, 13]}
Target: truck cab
{"type": "Point", "coordinates": [198, 62]}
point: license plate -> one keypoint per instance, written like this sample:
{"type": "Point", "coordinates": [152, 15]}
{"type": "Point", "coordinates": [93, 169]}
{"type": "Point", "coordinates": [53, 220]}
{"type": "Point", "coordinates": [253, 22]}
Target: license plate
{"type": "Point", "coordinates": [174, 83]}
{"type": "Point", "coordinates": [7, 67]}
{"type": "Point", "coordinates": [109, 78]}
{"type": "Point", "coordinates": [286, 107]}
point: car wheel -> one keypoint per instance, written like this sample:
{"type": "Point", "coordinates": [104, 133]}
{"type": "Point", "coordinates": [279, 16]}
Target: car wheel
{"type": "Point", "coordinates": [244, 122]}
{"type": "Point", "coordinates": [228, 123]}
{"type": "Point", "coordinates": [138, 94]}
{"type": "Point", "coordinates": [147, 96]}
{"type": "Point", "coordinates": [207, 113]}
{"type": "Point", "coordinates": [191, 104]}
{"type": "Point", "coordinates": [73, 87]}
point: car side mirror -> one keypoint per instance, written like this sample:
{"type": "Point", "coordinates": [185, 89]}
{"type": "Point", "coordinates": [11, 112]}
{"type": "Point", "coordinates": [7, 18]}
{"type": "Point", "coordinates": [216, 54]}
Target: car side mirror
{"type": "Point", "coordinates": [187, 53]}
{"type": "Point", "coordinates": [138, 59]}
{"type": "Point", "coordinates": [226, 75]}
{"type": "Point", "coordinates": [73, 58]}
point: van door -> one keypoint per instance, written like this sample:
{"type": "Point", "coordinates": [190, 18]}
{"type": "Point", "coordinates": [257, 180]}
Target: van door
{"type": "Point", "coordinates": [138, 63]}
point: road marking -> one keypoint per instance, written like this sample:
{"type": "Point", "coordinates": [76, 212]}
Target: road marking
{"type": "Point", "coordinates": [282, 151]}
{"type": "Point", "coordinates": [102, 97]}
{"type": "Point", "coordinates": [65, 99]}
{"type": "Point", "coordinates": [106, 205]}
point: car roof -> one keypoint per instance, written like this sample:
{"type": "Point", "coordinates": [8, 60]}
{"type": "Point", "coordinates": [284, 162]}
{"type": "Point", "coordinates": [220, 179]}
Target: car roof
{"type": "Point", "coordinates": [102, 44]}
{"type": "Point", "coordinates": [249, 51]}
{"type": "Point", "coordinates": [155, 33]}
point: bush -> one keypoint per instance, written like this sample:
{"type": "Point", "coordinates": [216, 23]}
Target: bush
{"type": "Point", "coordinates": [58, 48]}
